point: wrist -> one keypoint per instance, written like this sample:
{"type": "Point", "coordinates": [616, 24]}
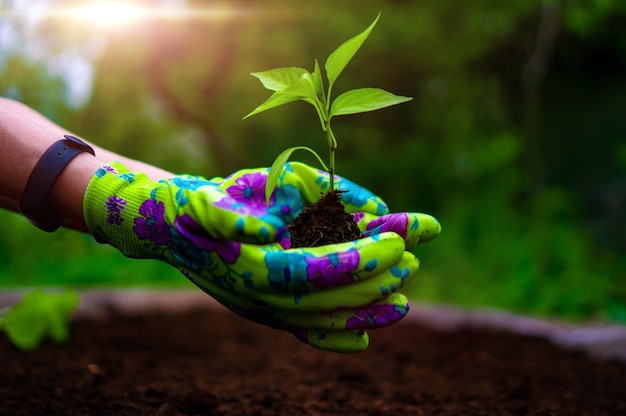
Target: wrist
{"type": "Point", "coordinates": [50, 195]}
{"type": "Point", "coordinates": [114, 199]}
{"type": "Point", "coordinates": [68, 191]}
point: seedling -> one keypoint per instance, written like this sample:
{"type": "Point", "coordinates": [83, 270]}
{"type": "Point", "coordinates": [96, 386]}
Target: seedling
{"type": "Point", "coordinates": [297, 84]}
{"type": "Point", "coordinates": [38, 316]}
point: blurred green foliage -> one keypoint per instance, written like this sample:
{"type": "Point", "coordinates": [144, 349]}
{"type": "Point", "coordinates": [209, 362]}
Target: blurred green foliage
{"type": "Point", "coordinates": [37, 317]}
{"type": "Point", "coordinates": [515, 139]}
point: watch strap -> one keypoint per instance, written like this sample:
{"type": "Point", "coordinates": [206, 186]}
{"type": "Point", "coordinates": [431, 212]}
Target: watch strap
{"type": "Point", "coordinates": [35, 201]}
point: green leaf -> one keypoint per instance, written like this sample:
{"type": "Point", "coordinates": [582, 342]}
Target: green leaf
{"type": "Point", "coordinates": [363, 100]}
{"type": "Point", "coordinates": [340, 57]}
{"type": "Point", "coordinates": [62, 305]}
{"type": "Point", "coordinates": [40, 315]}
{"type": "Point", "coordinates": [25, 327]}
{"type": "Point", "coordinates": [275, 100]}
{"type": "Point", "coordinates": [319, 83]}
{"type": "Point", "coordinates": [300, 89]}
{"type": "Point", "coordinates": [277, 169]}
{"type": "Point", "coordinates": [279, 79]}
{"type": "Point", "coordinates": [303, 87]}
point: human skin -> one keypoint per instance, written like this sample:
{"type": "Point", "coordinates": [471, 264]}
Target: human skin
{"type": "Point", "coordinates": [24, 136]}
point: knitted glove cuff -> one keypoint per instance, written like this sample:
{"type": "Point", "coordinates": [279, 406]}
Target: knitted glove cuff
{"type": "Point", "coordinates": [113, 207]}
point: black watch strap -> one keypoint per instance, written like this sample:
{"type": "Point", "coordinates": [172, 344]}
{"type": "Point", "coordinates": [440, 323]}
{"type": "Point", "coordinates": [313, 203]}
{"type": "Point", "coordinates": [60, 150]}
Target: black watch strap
{"type": "Point", "coordinates": [35, 201]}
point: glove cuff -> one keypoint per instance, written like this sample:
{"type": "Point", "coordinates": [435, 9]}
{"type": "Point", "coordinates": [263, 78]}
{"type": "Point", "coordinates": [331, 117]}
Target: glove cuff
{"type": "Point", "coordinates": [111, 207]}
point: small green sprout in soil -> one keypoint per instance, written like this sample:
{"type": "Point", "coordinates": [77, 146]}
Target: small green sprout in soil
{"type": "Point", "coordinates": [39, 316]}
{"type": "Point", "coordinates": [292, 84]}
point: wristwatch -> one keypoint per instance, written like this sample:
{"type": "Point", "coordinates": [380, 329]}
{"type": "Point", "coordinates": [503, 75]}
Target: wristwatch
{"type": "Point", "coordinates": [35, 201]}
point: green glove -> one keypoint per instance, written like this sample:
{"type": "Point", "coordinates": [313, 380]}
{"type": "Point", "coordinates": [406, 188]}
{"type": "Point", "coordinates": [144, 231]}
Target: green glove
{"type": "Point", "coordinates": [222, 236]}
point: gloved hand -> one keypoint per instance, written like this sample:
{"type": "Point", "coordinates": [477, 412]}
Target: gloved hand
{"type": "Point", "coordinates": [220, 234]}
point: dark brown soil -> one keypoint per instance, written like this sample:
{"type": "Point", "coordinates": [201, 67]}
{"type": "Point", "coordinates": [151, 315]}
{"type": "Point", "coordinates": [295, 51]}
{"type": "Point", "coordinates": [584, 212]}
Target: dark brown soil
{"type": "Point", "coordinates": [323, 222]}
{"type": "Point", "coordinates": [211, 362]}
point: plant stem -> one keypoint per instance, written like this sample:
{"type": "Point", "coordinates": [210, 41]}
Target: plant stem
{"type": "Point", "coordinates": [320, 108]}
{"type": "Point", "coordinates": [323, 109]}
{"type": "Point", "coordinates": [332, 146]}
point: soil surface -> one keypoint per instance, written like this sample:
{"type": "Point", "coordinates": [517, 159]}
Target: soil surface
{"type": "Point", "coordinates": [323, 222]}
{"type": "Point", "coordinates": [208, 361]}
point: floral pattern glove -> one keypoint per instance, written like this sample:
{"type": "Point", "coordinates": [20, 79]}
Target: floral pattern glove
{"type": "Point", "coordinates": [221, 235]}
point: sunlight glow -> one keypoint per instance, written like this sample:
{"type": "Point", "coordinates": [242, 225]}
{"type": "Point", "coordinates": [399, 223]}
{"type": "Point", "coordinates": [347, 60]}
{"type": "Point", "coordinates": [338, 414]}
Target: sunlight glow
{"type": "Point", "coordinates": [116, 14]}
{"type": "Point", "coordinates": [126, 13]}
{"type": "Point", "coordinates": [109, 13]}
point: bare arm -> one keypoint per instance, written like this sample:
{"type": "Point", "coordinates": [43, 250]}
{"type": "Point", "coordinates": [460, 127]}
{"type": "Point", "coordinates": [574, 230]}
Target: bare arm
{"type": "Point", "coordinates": [24, 137]}
{"type": "Point", "coordinates": [34, 117]}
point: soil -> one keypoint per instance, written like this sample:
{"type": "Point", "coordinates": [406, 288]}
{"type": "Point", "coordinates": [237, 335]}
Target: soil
{"type": "Point", "coordinates": [208, 361]}
{"type": "Point", "coordinates": [323, 222]}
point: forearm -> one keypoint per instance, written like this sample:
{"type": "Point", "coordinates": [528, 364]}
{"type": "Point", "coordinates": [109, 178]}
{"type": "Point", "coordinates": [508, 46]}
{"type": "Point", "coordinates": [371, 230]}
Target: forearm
{"type": "Point", "coordinates": [28, 113]}
{"type": "Point", "coordinates": [24, 137]}
{"type": "Point", "coordinates": [23, 142]}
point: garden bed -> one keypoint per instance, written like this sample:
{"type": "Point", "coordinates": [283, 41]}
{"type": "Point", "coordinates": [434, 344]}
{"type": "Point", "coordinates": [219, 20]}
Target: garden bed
{"type": "Point", "coordinates": [134, 353]}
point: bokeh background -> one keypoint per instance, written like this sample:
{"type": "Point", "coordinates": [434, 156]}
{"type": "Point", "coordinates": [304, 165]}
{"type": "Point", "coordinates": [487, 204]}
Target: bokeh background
{"type": "Point", "coordinates": [515, 139]}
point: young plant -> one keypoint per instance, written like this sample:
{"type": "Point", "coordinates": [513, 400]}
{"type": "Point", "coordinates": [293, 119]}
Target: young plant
{"type": "Point", "coordinates": [38, 316]}
{"type": "Point", "coordinates": [297, 84]}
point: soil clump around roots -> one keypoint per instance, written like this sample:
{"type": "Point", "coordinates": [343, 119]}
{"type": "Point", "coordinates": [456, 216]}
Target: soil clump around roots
{"type": "Point", "coordinates": [323, 222]}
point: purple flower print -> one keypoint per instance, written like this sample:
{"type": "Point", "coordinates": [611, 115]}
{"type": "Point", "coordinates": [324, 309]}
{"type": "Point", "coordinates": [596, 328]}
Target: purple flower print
{"type": "Point", "coordinates": [284, 240]}
{"type": "Point", "coordinates": [152, 226]}
{"type": "Point", "coordinates": [230, 204]}
{"type": "Point", "coordinates": [249, 190]}
{"type": "Point", "coordinates": [358, 216]}
{"type": "Point", "coordinates": [115, 206]}
{"type": "Point", "coordinates": [228, 251]}
{"type": "Point", "coordinates": [189, 228]}
{"type": "Point", "coordinates": [391, 222]}
{"type": "Point", "coordinates": [110, 169]}
{"type": "Point", "coordinates": [335, 269]}
{"type": "Point", "coordinates": [376, 316]}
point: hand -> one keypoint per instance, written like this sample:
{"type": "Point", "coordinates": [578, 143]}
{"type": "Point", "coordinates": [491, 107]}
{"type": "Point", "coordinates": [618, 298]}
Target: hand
{"type": "Point", "coordinates": [220, 234]}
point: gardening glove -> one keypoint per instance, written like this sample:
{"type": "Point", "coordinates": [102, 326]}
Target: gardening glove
{"type": "Point", "coordinates": [368, 210]}
{"type": "Point", "coordinates": [221, 235]}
